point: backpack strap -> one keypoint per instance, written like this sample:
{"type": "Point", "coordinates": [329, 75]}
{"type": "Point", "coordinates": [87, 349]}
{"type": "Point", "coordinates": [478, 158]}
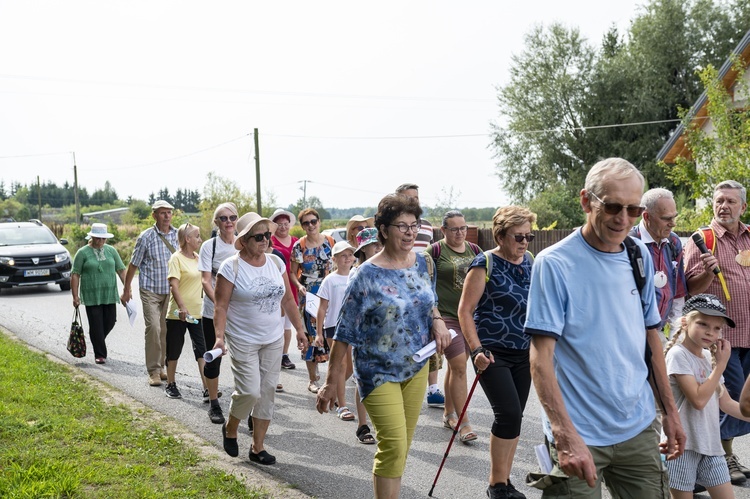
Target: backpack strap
{"type": "Point", "coordinates": [636, 262]}
{"type": "Point", "coordinates": [275, 259]}
{"type": "Point", "coordinates": [434, 250]}
{"type": "Point", "coordinates": [488, 265]}
{"type": "Point", "coordinates": [476, 249]}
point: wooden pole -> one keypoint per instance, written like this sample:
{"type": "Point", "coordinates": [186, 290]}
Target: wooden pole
{"type": "Point", "coordinates": [75, 190]}
{"type": "Point", "coordinates": [39, 192]}
{"type": "Point", "coordinates": [257, 172]}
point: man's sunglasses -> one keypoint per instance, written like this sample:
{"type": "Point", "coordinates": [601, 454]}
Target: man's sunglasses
{"type": "Point", "coordinates": [634, 210]}
{"type": "Point", "coordinates": [520, 237]}
{"type": "Point", "coordinates": [224, 218]}
{"type": "Point", "coordinates": [314, 221]}
{"type": "Point", "coordinates": [259, 237]}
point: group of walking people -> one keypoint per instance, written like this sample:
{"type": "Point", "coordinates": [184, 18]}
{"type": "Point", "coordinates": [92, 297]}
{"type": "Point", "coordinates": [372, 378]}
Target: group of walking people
{"type": "Point", "coordinates": [380, 301]}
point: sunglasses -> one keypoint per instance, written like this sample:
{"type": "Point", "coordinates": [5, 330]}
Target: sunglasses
{"type": "Point", "coordinates": [359, 228]}
{"type": "Point", "coordinates": [224, 218]}
{"type": "Point", "coordinates": [634, 210]}
{"type": "Point", "coordinates": [259, 237]}
{"type": "Point", "coordinates": [520, 237]}
{"type": "Point", "coordinates": [312, 222]}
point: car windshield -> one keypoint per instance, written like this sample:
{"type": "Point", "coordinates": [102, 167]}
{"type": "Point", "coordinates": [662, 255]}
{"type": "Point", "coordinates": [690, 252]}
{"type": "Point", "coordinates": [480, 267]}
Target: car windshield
{"type": "Point", "coordinates": [17, 236]}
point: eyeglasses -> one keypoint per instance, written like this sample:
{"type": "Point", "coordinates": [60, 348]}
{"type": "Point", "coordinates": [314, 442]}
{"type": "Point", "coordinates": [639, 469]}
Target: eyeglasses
{"type": "Point", "coordinates": [259, 237]}
{"type": "Point", "coordinates": [634, 210]}
{"type": "Point", "coordinates": [520, 237]}
{"type": "Point", "coordinates": [456, 230]}
{"type": "Point", "coordinates": [310, 223]}
{"type": "Point", "coordinates": [283, 225]}
{"type": "Point", "coordinates": [403, 228]}
{"type": "Point", "coordinates": [224, 218]}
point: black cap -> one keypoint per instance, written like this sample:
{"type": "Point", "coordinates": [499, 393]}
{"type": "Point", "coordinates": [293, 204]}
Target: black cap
{"type": "Point", "coordinates": [709, 305]}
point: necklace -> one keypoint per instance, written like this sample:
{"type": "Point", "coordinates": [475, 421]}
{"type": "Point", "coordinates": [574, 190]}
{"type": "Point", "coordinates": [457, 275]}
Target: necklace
{"type": "Point", "coordinates": [393, 264]}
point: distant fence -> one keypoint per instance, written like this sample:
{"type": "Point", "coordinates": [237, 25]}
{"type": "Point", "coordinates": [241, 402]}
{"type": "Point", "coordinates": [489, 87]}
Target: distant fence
{"type": "Point", "coordinates": [543, 239]}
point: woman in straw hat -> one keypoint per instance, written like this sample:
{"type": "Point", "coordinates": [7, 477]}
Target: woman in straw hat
{"type": "Point", "coordinates": [95, 270]}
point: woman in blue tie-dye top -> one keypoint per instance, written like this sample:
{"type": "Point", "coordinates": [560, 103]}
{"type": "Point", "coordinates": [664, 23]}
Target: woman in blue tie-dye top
{"type": "Point", "coordinates": [389, 313]}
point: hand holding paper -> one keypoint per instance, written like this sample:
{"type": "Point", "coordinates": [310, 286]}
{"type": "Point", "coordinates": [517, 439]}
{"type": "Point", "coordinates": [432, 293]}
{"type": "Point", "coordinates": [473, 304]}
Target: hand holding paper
{"type": "Point", "coordinates": [429, 349]}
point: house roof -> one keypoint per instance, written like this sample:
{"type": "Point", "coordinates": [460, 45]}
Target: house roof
{"type": "Point", "coordinates": [675, 145]}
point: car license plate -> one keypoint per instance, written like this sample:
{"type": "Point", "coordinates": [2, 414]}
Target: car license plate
{"type": "Point", "coordinates": [35, 272]}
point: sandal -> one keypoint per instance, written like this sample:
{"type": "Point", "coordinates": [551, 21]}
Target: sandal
{"type": "Point", "coordinates": [447, 421]}
{"type": "Point", "coordinates": [345, 414]}
{"type": "Point", "coordinates": [467, 437]}
{"type": "Point", "coordinates": [313, 387]}
{"type": "Point", "coordinates": [364, 436]}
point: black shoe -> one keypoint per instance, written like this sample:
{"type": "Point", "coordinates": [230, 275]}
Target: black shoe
{"type": "Point", "coordinates": [215, 414]}
{"type": "Point", "coordinates": [512, 492]}
{"type": "Point", "coordinates": [286, 363]}
{"type": "Point", "coordinates": [261, 457]}
{"type": "Point", "coordinates": [230, 444]}
{"type": "Point", "coordinates": [498, 491]}
{"type": "Point", "coordinates": [206, 398]}
{"type": "Point", "coordinates": [172, 391]}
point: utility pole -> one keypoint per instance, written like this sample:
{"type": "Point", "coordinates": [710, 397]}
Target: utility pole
{"type": "Point", "coordinates": [39, 192]}
{"type": "Point", "coordinates": [75, 189]}
{"type": "Point", "coordinates": [304, 192]}
{"type": "Point", "coordinates": [257, 172]}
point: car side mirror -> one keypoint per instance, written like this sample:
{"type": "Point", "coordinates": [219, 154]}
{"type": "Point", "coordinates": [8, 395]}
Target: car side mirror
{"type": "Point", "coordinates": [63, 241]}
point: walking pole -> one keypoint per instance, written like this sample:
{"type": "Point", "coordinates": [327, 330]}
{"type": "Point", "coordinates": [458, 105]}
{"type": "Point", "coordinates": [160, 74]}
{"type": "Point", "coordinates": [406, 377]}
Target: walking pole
{"type": "Point", "coordinates": [455, 431]}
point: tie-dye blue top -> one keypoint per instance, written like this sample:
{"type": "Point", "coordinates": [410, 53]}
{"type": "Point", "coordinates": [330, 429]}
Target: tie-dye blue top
{"type": "Point", "coordinates": [501, 311]}
{"type": "Point", "coordinates": [386, 317]}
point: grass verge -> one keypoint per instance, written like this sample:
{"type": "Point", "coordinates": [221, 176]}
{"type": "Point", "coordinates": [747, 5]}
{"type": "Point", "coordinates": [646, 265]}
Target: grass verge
{"type": "Point", "coordinates": [59, 438]}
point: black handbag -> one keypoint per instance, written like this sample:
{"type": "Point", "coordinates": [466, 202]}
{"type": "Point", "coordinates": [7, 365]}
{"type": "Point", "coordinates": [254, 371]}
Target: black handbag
{"type": "Point", "coordinates": [77, 340]}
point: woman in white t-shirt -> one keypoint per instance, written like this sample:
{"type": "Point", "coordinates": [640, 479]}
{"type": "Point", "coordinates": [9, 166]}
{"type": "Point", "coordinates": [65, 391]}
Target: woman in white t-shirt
{"type": "Point", "coordinates": [213, 252]}
{"type": "Point", "coordinates": [251, 288]}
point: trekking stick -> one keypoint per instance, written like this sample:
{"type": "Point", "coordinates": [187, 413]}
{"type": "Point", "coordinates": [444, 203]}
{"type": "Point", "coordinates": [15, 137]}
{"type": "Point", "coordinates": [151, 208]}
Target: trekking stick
{"type": "Point", "coordinates": [455, 432]}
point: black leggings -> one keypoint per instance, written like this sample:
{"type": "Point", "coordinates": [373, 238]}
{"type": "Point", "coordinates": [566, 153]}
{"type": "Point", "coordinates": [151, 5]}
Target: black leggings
{"type": "Point", "coordinates": [211, 371]}
{"type": "Point", "coordinates": [507, 382]}
{"type": "Point", "coordinates": [176, 339]}
{"type": "Point", "coordinates": [102, 319]}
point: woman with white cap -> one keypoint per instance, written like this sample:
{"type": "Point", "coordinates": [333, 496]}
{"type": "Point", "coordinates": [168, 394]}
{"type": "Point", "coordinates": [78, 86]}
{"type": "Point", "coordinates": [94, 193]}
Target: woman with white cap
{"type": "Point", "coordinates": [283, 242]}
{"type": "Point", "coordinates": [251, 288]}
{"type": "Point", "coordinates": [95, 268]}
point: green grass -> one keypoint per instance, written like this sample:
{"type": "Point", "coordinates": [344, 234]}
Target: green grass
{"type": "Point", "coordinates": [59, 438]}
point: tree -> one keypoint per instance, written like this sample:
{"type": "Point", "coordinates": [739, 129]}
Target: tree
{"type": "Point", "coordinates": [567, 102]}
{"type": "Point", "coordinates": [447, 200]}
{"type": "Point", "coordinates": [723, 152]}
{"type": "Point", "coordinates": [542, 106]}
{"type": "Point", "coordinates": [104, 196]}
{"type": "Point", "coordinates": [312, 202]}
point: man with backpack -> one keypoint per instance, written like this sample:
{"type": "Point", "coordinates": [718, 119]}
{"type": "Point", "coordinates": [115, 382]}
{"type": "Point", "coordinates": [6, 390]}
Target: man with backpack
{"type": "Point", "coordinates": [655, 230]}
{"type": "Point", "coordinates": [595, 356]}
{"type": "Point", "coordinates": [724, 270]}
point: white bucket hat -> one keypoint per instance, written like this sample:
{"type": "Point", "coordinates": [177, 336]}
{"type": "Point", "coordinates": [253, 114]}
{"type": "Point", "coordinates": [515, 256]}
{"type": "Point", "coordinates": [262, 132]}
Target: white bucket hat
{"type": "Point", "coordinates": [281, 211]}
{"type": "Point", "coordinates": [100, 231]}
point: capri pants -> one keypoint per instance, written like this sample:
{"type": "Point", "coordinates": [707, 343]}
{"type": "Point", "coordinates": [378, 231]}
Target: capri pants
{"type": "Point", "coordinates": [394, 409]}
{"type": "Point", "coordinates": [507, 382]}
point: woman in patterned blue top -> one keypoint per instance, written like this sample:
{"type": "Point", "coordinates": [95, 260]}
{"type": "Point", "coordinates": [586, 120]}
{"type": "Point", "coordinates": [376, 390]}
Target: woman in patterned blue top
{"type": "Point", "coordinates": [389, 313]}
{"type": "Point", "coordinates": [492, 314]}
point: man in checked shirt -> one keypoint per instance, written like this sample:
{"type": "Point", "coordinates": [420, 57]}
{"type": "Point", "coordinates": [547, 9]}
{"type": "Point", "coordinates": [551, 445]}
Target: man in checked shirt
{"type": "Point", "coordinates": [730, 251]}
{"type": "Point", "coordinates": [151, 255]}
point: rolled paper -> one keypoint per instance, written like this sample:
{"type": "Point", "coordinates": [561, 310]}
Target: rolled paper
{"type": "Point", "coordinates": [429, 349]}
{"type": "Point", "coordinates": [212, 355]}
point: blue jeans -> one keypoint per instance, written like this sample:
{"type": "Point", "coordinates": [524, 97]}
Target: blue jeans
{"type": "Point", "coordinates": [735, 374]}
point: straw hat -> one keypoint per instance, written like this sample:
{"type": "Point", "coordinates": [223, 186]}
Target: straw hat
{"type": "Point", "coordinates": [246, 223]}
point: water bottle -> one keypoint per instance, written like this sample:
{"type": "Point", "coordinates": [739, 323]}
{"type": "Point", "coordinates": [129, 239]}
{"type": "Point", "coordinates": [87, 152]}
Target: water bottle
{"type": "Point", "coordinates": [189, 318]}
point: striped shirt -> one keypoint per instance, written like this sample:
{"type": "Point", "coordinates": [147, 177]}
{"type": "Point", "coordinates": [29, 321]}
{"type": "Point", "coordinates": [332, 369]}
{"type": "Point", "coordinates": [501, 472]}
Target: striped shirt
{"type": "Point", "coordinates": [424, 236]}
{"type": "Point", "coordinates": [151, 256]}
{"type": "Point", "coordinates": [726, 248]}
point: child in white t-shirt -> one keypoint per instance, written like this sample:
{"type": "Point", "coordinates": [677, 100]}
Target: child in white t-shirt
{"type": "Point", "coordinates": [699, 393]}
{"type": "Point", "coordinates": [331, 294]}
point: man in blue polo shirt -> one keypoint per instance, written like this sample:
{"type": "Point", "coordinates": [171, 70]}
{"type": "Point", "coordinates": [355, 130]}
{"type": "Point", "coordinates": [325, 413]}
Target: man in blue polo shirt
{"type": "Point", "coordinates": [590, 326]}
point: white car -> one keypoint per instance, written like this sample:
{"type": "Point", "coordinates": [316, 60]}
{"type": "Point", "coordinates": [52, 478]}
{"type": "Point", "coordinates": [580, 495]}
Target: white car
{"type": "Point", "coordinates": [337, 234]}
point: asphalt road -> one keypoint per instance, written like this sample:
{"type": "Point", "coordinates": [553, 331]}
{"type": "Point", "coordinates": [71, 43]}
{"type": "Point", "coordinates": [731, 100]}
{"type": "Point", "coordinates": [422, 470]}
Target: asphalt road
{"type": "Point", "coordinates": [317, 454]}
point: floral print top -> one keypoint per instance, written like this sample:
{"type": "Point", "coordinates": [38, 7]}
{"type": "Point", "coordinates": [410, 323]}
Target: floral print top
{"type": "Point", "coordinates": [386, 317]}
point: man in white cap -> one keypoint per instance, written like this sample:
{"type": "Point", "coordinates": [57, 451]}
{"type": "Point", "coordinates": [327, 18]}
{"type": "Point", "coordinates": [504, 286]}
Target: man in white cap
{"type": "Point", "coordinates": [151, 255]}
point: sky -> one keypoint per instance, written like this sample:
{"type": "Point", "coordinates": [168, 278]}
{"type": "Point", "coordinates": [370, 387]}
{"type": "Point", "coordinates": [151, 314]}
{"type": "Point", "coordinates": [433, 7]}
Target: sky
{"type": "Point", "coordinates": [356, 98]}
